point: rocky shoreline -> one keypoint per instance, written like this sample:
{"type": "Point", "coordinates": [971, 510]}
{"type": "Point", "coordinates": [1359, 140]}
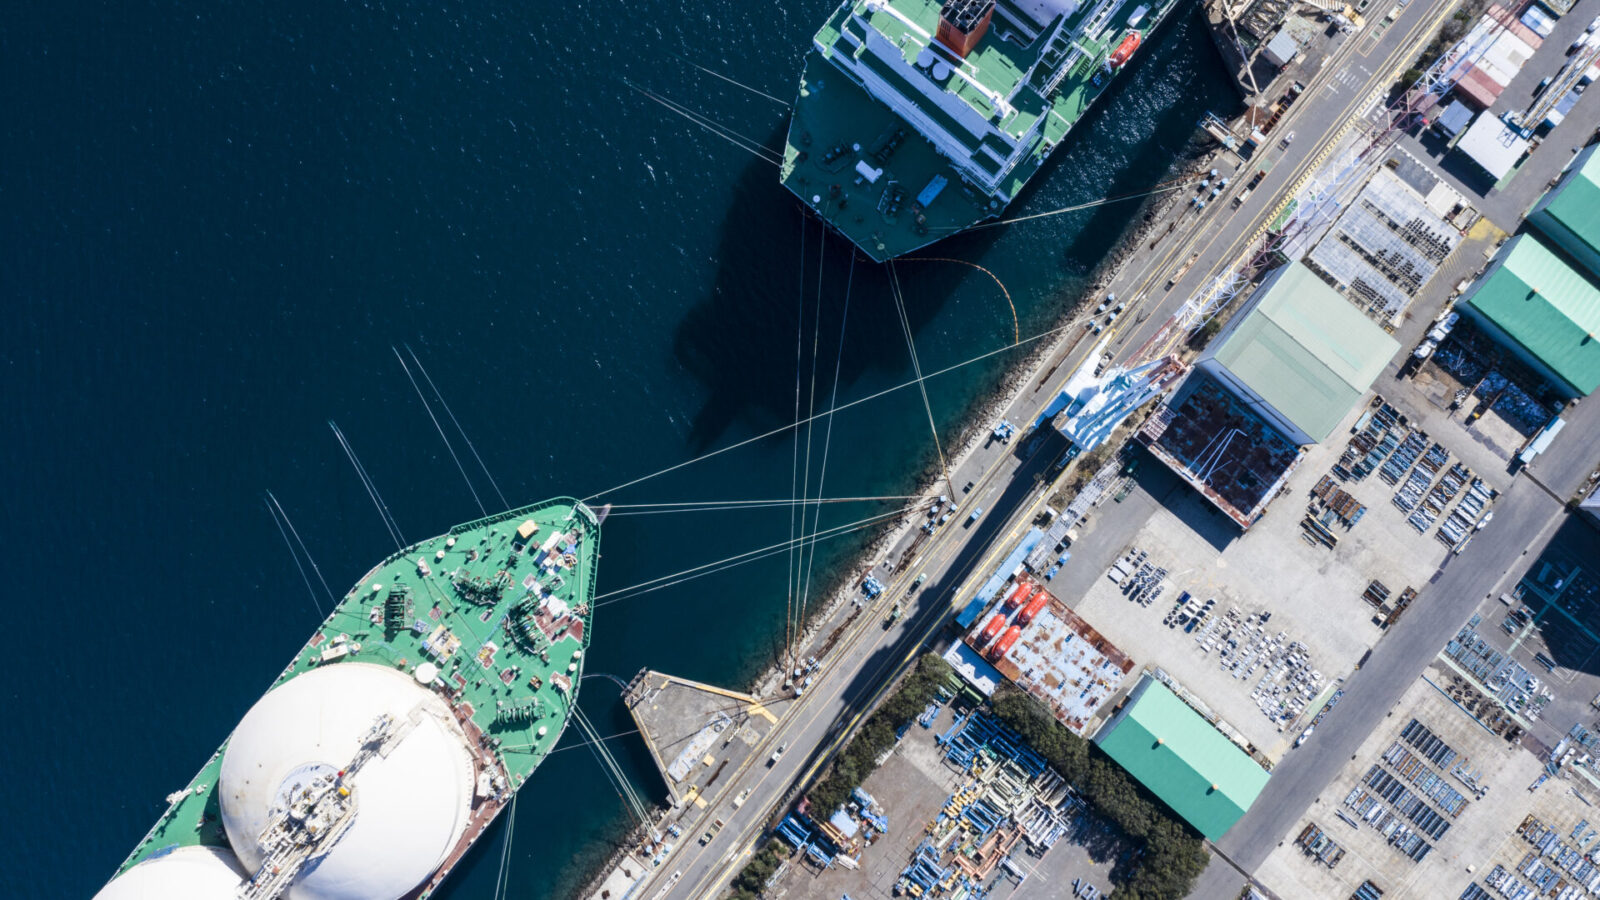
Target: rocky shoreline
{"type": "Point", "coordinates": [1010, 386]}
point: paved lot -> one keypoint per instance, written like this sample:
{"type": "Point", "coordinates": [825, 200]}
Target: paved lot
{"type": "Point", "coordinates": [1506, 203]}
{"type": "Point", "coordinates": [1312, 592]}
{"type": "Point", "coordinates": [913, 786]}
{"type": "Point", "coordinates": [866, 660]}
{"type": "Point", "coordinates": [1474, 835]}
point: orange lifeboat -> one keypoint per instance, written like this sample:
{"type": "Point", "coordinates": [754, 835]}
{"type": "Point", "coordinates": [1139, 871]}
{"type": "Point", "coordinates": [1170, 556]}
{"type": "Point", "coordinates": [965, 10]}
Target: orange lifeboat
{"type": "Point", "coordinates": [991, 629]}
{"type": "Point", "coordinates": [1015, 599]}
{"type": "Point", "coordinates": [1124, 50]}
{"type": "Point", "coordinates": [1001, 646]}
{"type": "Point", "coordinates": [1035, 606]}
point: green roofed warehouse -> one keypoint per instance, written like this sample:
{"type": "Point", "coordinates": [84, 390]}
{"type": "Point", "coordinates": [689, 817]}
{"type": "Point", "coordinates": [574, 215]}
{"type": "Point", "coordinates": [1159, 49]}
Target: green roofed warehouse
{"type": "Point", "coordinates": [1569, 215]}
{"type": "Point", "coordinates": [1543, 310]}
{"type": "Point", "coordinates": [1300, 353]}
{"type": "Point", "coordinates": [1182, 759]}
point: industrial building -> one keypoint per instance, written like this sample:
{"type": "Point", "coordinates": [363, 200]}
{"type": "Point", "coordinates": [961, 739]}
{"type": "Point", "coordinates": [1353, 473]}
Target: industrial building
{"type": "Point", "coordinates": [1299, 354]}
{"type": "Point", "coordinates": [1568, 215]}
{"type": "Point", "coordinates": [1498, 46]}
{"type": "Point", "coordinates": [1493, 146]}
{"type": "Point", "coordinates": [1220, 446]}
{"type": "Point", "coordinates": [1093, 403]}
{"type": "Point", "coordinates": [1182, 759]}
{"type": "Point", "coordinates": [1544, 311]}
{"type": "Point", "coordinates": [1386, 246]}
{"type": "Point", "coordinates": [1288, 368]}
{"type": "Point", "coordinates": [1034, 641]}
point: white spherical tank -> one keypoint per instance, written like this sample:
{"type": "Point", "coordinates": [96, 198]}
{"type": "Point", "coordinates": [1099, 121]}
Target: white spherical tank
{"type": "Point", "coordinates": [412, 802]}
{"type": "Point", "coordinates": [187, 873]}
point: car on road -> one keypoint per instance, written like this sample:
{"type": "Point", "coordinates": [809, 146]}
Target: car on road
{"type": "Point", "coordinates": [711, 832]}
{"type": "Point", "coordinates": [776, 755]}
{"type": "Point", "coordinates": [743, 796]}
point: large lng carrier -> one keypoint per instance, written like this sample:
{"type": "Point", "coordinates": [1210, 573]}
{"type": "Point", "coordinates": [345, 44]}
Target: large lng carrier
{"type": "Point", "coordinates": [916, 120]}
{"type": "Point", "coordinates": [399, 732]}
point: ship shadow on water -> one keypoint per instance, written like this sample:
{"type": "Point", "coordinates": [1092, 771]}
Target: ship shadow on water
{"type": "Point", "coordinates": [1102, 230]}
{"type": "Point", "coordinates": [739, 342]}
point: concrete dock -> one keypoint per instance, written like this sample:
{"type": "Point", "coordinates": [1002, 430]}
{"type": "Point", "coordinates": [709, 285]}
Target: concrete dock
{"type": "Point", "coordinates": [696, 732]}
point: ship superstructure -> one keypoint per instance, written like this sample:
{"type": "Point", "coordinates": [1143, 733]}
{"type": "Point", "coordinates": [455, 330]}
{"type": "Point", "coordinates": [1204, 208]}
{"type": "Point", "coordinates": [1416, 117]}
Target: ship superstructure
{"type": "Point", "coordinates": [916, 119]}
{"type": "Point", "coordinates": [401, 729]}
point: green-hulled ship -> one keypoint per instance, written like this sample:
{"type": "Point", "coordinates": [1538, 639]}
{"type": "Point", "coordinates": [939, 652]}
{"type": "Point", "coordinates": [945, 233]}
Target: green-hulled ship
{"type": "Point", "coordinates": [916, 119]}
{"type": "Point", "coordinates": [401, 729]}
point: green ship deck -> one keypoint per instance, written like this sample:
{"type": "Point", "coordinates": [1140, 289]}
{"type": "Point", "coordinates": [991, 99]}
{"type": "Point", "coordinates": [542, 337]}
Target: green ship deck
{"type": "Point", "coordinates": [469, 603]}
{"type": "Point", "coordinates": [949, 152]}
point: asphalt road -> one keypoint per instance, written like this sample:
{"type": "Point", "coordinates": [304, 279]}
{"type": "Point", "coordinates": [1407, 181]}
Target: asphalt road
{"type": "Point", "coordinates": [868, 659]}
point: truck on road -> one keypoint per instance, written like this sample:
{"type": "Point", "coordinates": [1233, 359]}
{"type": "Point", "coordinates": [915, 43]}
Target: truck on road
{"type": "Point", "coordinates": [711, 832]}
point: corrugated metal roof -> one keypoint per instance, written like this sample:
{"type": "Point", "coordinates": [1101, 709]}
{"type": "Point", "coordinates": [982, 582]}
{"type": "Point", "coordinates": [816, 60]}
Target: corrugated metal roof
{"type": "Point", "coordinates": [1478, 88]}
{"type": "Point", "coordinates": [1572, 214]}
{"type": "Point", "coordinates": [1183, 760]}
{"type": "Point", "coordinates": [1493, 145]}
{"type": "Point", "coordinates": [1306, 350]}
{"type": "Point", "coordinates": [1548, 307]}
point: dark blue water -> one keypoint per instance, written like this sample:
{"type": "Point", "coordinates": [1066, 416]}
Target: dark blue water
{"type": "Point", "coordinates": [219, 217]}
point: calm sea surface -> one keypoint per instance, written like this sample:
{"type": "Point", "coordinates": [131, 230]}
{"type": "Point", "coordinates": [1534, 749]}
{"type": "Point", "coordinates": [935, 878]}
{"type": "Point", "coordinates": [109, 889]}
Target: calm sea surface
{"type": "Point", "coordinates": [217, 218]}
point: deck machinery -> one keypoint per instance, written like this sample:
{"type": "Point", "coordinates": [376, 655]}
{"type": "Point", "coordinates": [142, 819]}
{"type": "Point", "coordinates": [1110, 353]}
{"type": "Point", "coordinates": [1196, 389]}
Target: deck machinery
{"type": "Point", "coordinates": [917, 119]}
{"type": "Point", "coordinates": [399, 732]}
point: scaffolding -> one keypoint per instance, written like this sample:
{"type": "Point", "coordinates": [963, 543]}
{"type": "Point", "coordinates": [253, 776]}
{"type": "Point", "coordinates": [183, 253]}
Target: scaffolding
{"type": "Point", "coordinates": [1384, 248]}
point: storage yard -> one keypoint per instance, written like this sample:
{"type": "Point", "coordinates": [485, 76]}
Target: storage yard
{"type": "Point", "coordinates": [1532, 653]}
{"type": "Point", "coordinates": [1437, 806]}
{"type": "Point", "coordinates": [965, 807]}
{"type": "Point", "coordinates": [1426, 797]}
{"type": "Point", "coordinates": [1243, 621]}
{"type": "Point", "coordinates": [1484, 781]}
